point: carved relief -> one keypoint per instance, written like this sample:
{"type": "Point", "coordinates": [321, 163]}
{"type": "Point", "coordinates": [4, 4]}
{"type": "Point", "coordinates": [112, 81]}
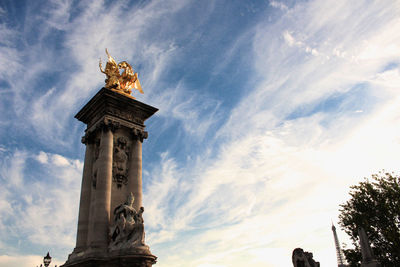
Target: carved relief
{"type": "Point", "coordinates": [128, 228]}
{"type": "Point", "coordinates": [126, 115]}
{"type": "Point", "coordinates": [120, 162]}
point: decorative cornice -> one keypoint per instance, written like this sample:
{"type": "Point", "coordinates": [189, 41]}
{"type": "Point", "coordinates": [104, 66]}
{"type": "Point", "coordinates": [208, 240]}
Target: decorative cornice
{"type": "Point", "coordinates": [109, 103]}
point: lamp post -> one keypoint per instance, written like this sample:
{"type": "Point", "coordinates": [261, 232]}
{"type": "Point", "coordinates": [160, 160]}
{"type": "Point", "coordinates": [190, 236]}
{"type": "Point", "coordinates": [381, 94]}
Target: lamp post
{"type": "Point", "coordinates": [47, 260]}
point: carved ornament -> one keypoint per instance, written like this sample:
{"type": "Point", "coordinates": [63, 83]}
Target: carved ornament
{"type": "Point", "coordinates": [120, 161]}
{"type": "Point", "coordinates": [126, 115]}
{"type": "Point", "coordinates": [107, 125]}
{"type": "Point", "coordinates": [139, 134]}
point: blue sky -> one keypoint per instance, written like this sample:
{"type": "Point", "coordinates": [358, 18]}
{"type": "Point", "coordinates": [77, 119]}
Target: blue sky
{"type": "Point", "coordinates": [268, 112]}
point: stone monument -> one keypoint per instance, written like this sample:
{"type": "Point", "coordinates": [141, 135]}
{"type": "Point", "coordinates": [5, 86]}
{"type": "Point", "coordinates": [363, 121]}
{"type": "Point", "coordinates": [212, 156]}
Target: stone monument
{"type": "Point", "coordinates": [368, 258]}
{"type": "Point", "coordinates": [301, 258]}
{"type": "Point", "coordinates": [110, 223]}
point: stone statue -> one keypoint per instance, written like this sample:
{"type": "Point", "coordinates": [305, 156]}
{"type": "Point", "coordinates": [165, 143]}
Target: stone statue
{"type": "Point", "coordinates": [128, 228]}
{"type": "Point", "coordinates": [301, 258]}
{"type": "Point", "coordinates": [122, 83]}
{"type": "Point", "coordinates": [120, 162]}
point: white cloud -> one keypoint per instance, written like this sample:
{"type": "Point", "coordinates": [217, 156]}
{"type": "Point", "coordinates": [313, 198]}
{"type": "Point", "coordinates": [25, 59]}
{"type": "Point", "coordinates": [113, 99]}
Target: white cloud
{"type": "Point", "coordinates": [9, 53]}
{"type": "Point", "coordinates": [278, 4]}
{"type": "Point", "coordinates": [59, 160]}
{"type": "Point", "coordinates": [387, 80]}
{"type": "Point", "coordinates": [86, 37]}
{"type": "Point", "coordinates": [42, 157]}
{"type": "Point", "coordinates": [276, 183]}
{"type": "Point", "coordinates": [196, 113]}
{"type": "Point", "coordinates": [12, 169]}
{"type": "Point", "coordinates": [266, 187]}
{"type": "Point", "coordinates": [43, 211]}
{"type": "Point", "coordinates": [59, 14]}
{"type": "Point", "coordinates": [288, 38]}
{"type": "Point", "coordinates": [283, 164]}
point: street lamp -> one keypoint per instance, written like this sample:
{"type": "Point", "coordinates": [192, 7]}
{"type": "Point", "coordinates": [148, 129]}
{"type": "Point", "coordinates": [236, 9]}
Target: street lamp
{"type": "Point", "coordinates": [47, 260]}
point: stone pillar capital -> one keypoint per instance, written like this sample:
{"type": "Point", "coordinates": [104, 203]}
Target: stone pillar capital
{"type": "Point", "coordinates": [108, 125]}
{"type": "Point", "coordinates": [88, 138]}
{"type": "Point", "coordinates": [139, 134]}
{"type": "Point", "coordinates": [85, 139]}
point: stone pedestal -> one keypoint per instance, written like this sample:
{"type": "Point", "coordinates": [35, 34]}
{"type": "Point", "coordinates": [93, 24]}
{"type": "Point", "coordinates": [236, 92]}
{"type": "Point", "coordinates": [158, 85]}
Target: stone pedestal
{"type": "Point", "coordinates": [128, 261]}
{"type": "Point", "coordinates": [112, 171]}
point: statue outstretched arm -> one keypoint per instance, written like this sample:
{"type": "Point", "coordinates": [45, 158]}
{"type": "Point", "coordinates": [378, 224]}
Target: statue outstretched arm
{"type": "Point", "coordinates": [101, 67]}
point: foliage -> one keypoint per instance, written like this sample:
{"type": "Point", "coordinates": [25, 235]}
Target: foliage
{"type": "Point", "coordinates": [353, 257]}
{"type": "Point", "coordinates": [375, 206]}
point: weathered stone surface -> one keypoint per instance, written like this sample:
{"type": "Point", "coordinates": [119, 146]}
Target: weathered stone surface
{"type": "Point", "coordinates": [112, 170]}
{"type": "Point", "coordinates": [116, 261]}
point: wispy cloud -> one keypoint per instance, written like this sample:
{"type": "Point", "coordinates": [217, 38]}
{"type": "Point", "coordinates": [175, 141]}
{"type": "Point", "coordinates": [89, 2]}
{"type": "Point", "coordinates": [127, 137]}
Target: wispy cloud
{"type": "Point", "coordinates": [74, 64]}
{"type": "Point", "coordinates": [278, 4]}
{"type": "Point", "coordinates": [42, 209]}
{"type": "Point", "coordinates": [294, 170]}
{"type": "Point", "coordinates": [264, 173]}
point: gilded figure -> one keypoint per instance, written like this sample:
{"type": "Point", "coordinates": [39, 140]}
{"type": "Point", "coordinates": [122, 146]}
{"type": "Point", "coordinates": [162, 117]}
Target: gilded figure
{"type": "Point", "coordinates": [121, 82]}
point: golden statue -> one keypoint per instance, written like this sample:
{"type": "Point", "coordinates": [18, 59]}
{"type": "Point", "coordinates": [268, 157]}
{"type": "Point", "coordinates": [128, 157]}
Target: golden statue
{"type": "Point", "coordinates": [122, 83]}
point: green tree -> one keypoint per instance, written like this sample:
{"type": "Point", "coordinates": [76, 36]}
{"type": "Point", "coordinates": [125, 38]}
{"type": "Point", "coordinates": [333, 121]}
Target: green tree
{"type": "Point", "coordinates": [375, 206]}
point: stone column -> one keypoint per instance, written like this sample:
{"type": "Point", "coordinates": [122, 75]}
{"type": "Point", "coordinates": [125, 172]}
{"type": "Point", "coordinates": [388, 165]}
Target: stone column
{"type": "Point", "coordinates": [101, 214]}
{"type": "Point", "coordinates": [103, 114]}
{"type": "Point", "coordinates": [93, 178]}
{"type": "Point", "coordinates": [135, 169]}
{"type": "Point", "coordinates": [84, 207]}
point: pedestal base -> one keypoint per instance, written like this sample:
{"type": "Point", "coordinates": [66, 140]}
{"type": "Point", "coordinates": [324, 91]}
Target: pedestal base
{"type": "Point", "coordinates": [123, 261]}
{"type": "Point", "coordinates": [133, 257]}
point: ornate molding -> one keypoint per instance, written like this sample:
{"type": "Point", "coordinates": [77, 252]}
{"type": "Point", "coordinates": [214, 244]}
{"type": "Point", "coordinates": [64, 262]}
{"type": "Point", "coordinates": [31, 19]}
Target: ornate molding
{"type": "Point", "coordinates": [109, 103]}
{"type": "Point", "coordinates": [139, 134]}
{"type": "Point", "coordinates": [127, 115]}
{"type": "Point", "coordinates": [108, 125]}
